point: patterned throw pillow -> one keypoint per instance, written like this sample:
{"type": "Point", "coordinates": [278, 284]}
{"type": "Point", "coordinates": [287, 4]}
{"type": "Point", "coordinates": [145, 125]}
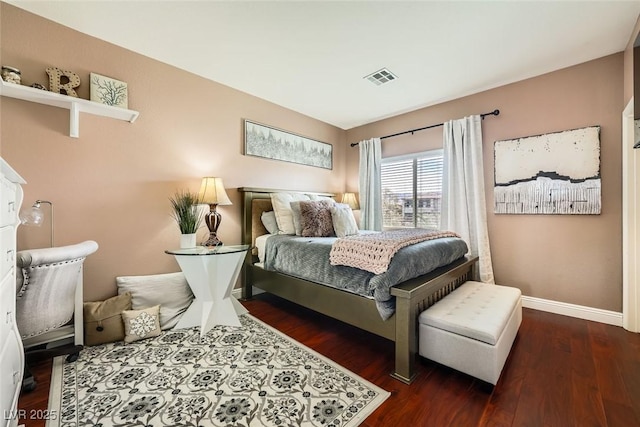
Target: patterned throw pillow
{"type": "Point", "coordinates": [141, 324]}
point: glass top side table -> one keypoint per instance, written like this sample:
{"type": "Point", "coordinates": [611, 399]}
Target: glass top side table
{"type": "Point", "coordinates": [209, 250]}
{"type": "Point", "coordinates": [211, 273]}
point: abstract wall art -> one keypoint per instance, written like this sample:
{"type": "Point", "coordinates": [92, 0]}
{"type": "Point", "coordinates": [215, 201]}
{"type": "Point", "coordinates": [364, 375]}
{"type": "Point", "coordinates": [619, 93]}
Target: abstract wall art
{"type": "Point", "coordinates": [277, 144]}
{"type": "Point", "coordinates": [554, 173]}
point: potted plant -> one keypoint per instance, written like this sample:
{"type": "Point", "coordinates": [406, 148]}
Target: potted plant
{"type": "Point", "coordinates": [187, 215]}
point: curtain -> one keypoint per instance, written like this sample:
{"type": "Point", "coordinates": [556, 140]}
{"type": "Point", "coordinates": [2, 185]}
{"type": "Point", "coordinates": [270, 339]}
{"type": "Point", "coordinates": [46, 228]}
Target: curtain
{"type": "Point", "coordinates": [463, 198]}
{"type": "Point", "coordinates": [370, 184]}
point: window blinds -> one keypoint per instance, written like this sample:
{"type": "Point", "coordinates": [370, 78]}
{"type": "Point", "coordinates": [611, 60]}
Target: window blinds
{"type": "Point", "coordinates": [412, 190]}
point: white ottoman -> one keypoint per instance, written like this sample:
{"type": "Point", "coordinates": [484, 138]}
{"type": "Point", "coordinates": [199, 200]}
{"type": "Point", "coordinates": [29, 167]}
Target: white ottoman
{"type": "Point", "coordinates": [472, 329]}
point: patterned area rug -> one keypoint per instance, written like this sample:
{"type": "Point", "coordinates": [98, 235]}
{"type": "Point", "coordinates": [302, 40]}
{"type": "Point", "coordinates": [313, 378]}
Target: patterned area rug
{"type": "Point", "coordinates": [249, 376]}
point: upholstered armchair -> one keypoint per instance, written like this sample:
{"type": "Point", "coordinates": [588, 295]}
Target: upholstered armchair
{"type": "Point", "coordinates": [49, 301]}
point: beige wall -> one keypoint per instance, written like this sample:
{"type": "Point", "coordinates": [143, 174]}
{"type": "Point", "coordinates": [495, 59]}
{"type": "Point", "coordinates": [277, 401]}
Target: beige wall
{"type": "Point", "coordinates": [569, 258]}
{"type": "Point", "coordinates": [112, 184]}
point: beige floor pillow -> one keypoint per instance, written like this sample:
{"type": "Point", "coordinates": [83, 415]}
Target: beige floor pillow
{"type": "Point", "coordinates": [170, 291]}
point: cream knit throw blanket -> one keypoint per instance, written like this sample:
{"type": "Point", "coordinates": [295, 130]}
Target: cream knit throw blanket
{"type": "Point", "coordinates": [373, 252]}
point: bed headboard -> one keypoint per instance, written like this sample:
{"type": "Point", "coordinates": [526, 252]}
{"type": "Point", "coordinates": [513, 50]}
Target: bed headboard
{"type": "Point", "coordinates": [255, 201]}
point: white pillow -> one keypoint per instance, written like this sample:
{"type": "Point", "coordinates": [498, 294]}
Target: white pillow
{"type": "Point", "coordinates": [170, 291]}
{"type": "Point", "coordinates": [269, 221]}
{"type": "Point", "coordinates": [344, 223]}
{"type": "Point", "coordinates": [281, 203]}
{"type": "Point", "coordinates": [317, 198]}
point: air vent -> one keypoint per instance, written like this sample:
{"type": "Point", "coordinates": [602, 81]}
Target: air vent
{"type": "Point", "coordinates": [381, 76]}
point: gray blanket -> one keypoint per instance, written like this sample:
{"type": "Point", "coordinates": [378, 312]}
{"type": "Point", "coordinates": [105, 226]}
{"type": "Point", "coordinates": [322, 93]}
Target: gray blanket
{"type": "Point", "coordinates": [308, 258]}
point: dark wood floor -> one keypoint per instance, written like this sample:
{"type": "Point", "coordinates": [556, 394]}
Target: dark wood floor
{"type": "Point", "coordinates": [561, 372]}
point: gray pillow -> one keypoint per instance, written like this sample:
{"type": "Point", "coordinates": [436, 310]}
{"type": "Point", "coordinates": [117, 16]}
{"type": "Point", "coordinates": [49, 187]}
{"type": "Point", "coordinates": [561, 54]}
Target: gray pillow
{"type": "Point", "coordinates": [268, 219]}
{"type": "Point", "coordinates": [297, 219]}
{"type": "Point", "coordinates": [170, 291]}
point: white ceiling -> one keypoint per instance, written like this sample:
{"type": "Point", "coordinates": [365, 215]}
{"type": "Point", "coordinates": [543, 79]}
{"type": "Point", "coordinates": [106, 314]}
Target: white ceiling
{"type": "Point", "coordinates": [312, 56]}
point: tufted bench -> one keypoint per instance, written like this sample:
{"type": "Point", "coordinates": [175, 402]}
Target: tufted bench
{"type": "Point", "coordinates": [472, 329]}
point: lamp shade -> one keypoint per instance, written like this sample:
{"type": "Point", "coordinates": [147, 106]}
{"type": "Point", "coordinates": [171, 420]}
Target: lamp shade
{"type": "Point", "coordinates": [212, 192]}
{"type": "Point", "coordinates": [351, 200]}
{"type": "Point", "coordinates": [32, 216]}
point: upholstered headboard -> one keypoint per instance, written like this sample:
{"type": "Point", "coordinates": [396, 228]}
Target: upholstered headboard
{"type": "Point", "coordinates": [254, 203]}
{"type": "Point", "coordinates": [258, 207]}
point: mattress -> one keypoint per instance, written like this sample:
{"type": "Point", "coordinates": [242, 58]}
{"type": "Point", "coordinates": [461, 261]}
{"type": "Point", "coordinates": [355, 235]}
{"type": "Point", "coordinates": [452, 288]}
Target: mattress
{"type": "Point", "coordinates": [308, 258]}
{"type": "Point", "coordinates": [261, 243]}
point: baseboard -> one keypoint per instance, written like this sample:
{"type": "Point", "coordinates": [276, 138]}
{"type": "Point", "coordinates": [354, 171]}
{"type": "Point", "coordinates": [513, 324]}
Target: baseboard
{"type": "Point", "coordinates": [556, 307]}
{"type": "Point", "coordinates": [573, 310]}
{"type": "Point", "coordinates": [237, 292]}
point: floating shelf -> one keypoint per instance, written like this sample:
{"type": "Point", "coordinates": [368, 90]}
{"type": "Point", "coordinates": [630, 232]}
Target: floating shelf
{"type": "Point", "coordinates": [73, 104]}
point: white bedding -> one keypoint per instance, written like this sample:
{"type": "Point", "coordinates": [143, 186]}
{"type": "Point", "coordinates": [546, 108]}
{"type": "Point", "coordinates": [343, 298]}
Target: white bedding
{"type": "Point", "coordinates": [261, 243]}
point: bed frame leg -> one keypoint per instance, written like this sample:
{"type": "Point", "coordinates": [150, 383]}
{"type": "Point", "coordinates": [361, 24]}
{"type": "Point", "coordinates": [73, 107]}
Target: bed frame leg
{"type": "Point", "coordinates": [406, 342]}
{"type": "Point", "coordinates": [247, 293]}
{"type": "Point", "coordinates": [245, 283]}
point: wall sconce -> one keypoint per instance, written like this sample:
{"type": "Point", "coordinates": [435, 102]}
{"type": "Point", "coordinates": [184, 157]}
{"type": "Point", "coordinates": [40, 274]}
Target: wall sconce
{"type": "Point", "coordinates": [212, 193]}
{"type": "Point", "coordinates": [34, 216]}
{"type": "Point", "coordinates": [351, 200]}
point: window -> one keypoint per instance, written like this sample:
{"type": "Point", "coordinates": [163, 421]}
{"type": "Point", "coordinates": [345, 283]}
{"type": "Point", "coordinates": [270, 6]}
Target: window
{"type": "Point", "coordinates": [412, 190]}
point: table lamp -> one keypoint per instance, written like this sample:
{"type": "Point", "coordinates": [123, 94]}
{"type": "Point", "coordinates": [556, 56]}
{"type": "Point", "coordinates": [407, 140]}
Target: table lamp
{"type": "Point", "coordinates": [351, 200]}
{"type": "Point", "coordinates": [212, 193]}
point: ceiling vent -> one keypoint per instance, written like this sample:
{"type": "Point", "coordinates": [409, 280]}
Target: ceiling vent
{"type": "Point", "coordinates": [381, 76]}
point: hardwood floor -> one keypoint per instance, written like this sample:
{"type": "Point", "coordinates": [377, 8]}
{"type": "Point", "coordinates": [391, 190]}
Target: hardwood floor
{"type": "Point", "coordinates": [561, 372]}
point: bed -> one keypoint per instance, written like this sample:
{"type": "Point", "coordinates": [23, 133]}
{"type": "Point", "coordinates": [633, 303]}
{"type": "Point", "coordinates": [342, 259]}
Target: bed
{"type": "Point", "coordinates": [411, 296]}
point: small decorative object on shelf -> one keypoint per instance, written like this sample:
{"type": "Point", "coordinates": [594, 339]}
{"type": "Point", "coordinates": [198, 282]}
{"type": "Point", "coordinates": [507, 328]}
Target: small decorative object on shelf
{"type": "Point", "coordinates": [106, 90]}
{"type": "Point", "coordinates": [55, 85]}
{"type": "Point", "coordinates": [73, 104]}
{"type": "Point", "coordinates": [10, 74]}
{"type": "Point", "coordinates": [38, 86]}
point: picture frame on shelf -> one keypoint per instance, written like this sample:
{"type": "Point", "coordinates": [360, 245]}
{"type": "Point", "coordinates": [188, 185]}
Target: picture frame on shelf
{"type": "Point", "coordinates": [108, 91]}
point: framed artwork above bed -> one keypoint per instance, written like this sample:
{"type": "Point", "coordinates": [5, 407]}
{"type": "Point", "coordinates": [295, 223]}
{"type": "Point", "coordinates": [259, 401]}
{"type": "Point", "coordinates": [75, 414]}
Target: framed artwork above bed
{"type": "Point", "coordinates": [276, 144]}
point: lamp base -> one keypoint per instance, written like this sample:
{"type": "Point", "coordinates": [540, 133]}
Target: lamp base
{"type": "Point", "coordinates": [212, 240]}
{"type": "Point", "coordinates": [213, 220]}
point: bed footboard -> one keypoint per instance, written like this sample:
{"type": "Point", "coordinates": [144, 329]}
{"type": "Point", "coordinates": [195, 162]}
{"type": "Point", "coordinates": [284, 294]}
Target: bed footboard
{"type": "Point", "coordinates": [412, 298]}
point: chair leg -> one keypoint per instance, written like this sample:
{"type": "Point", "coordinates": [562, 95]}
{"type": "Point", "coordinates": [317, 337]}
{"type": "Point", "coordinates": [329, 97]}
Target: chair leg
{"type": "Point", "coordinates": [74, 356]}
{"type": "Point", "coordinates": [47, 353]}
{"type": "Point", "coordinates": [28, 381]}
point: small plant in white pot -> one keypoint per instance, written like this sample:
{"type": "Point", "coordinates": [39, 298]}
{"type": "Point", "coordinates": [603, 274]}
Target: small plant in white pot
{"type": "Point", "coordinates": [187, 216]}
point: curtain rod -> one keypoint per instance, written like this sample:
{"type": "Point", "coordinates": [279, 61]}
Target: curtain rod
{"type": "Point", "coordinates": [483, 115]}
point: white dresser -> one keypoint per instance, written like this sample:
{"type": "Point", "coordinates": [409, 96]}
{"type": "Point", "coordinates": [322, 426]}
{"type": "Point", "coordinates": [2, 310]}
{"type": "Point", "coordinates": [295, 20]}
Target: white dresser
{"type": "Point", "coordinates": [11, 353]}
